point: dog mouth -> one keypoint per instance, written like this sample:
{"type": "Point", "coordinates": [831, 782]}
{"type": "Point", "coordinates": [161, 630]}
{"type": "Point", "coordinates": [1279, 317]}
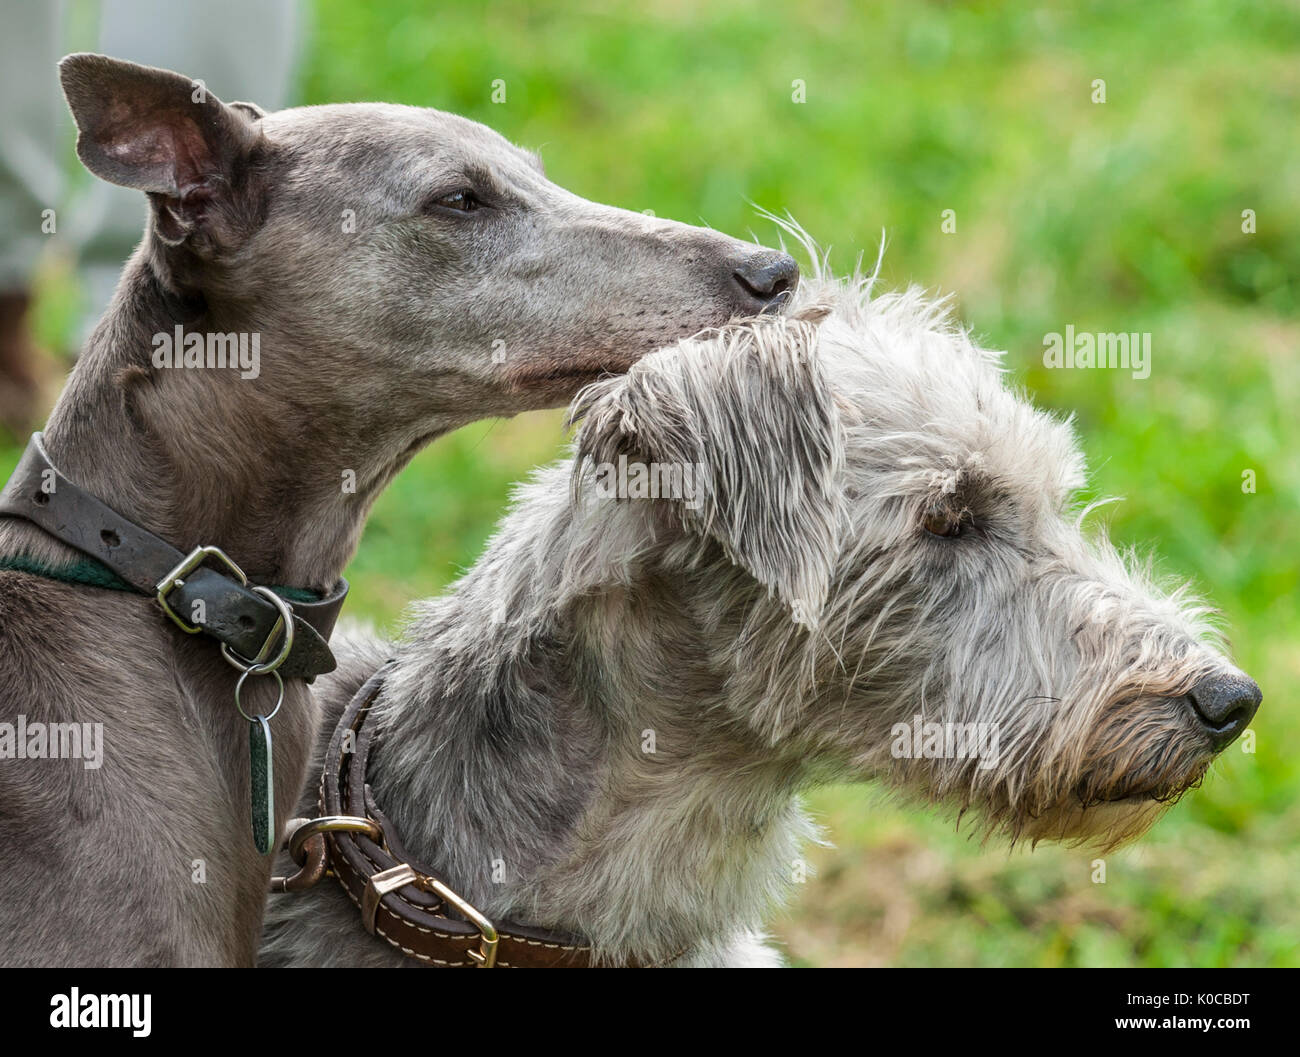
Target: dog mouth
{"type": "Point", "coordinates": [561, 375]}
{"type": "Point", "coordinates": [1159, 792]}
{"type": "Point", "coordinates": [558, 376]}
{"type": "Point", "coordinates": [569, 376]}
{"type": "Point", "coordinates": [564, 374]}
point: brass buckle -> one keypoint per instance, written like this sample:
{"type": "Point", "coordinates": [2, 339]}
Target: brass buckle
{"type": "Point", "coordinates": [175, 579]}
{"type": "Point", "coordinates": [399, 876]}
{"type": "Point", "coordinates": [486, 955]}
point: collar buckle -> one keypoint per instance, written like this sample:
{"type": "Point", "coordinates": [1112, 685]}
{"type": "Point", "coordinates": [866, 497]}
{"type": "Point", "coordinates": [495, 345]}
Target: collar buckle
{"type": "Point", "coordinates": [176, 578]}
{"type": "Point", "coordinates": [486, 955]}
{"type": "Point", "coordinates": [380, 884]}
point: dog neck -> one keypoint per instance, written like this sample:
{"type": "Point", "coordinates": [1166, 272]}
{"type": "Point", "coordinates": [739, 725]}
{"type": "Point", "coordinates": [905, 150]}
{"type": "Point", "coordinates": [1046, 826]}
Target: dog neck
{"type": "Point", "coordinates": [276, 470]}
{"type": "Point", "coordinates": [559, 771]}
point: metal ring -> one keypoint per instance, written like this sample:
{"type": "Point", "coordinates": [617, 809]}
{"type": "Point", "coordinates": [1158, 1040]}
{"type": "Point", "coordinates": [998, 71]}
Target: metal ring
{"type": "Point", "coordinates": [239, 685]}
{"type": "Point", "coordinates": [286, 622]}
{"type": "Point", "coordinates": [331, 824]}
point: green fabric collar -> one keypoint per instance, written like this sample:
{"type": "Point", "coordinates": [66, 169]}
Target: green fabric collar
{"type": "Point", "coordinates": [90, 573]}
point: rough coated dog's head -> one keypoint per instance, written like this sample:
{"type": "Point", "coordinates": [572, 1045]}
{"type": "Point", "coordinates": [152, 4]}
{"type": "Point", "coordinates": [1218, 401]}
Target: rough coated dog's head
{"type": "Point", "coordinates": [407, 247]}
{"type": "Point", "coordinates": [894, 579]}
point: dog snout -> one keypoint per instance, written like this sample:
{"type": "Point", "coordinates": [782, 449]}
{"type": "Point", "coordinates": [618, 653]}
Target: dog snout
{"type": "Point", "coordinates": [1224, 704]}
{"type": "Point", "coordinates": [767, 278]}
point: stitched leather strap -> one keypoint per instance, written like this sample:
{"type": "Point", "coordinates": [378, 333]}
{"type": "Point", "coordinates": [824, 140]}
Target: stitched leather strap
{"type": "Point", "coordinates": [411, 918]}
{"type": "Point", "coordinates": [233, 613]}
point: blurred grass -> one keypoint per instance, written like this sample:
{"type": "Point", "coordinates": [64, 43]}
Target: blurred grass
{"type": "Point", "coordinates": [1122, 216]}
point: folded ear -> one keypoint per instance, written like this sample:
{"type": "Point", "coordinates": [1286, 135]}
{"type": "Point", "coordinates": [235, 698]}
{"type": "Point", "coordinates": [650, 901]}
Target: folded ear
{"type": "Point", "coordinates": [748, 418]}
{"type": "Point", "coordinates": [163, 134]}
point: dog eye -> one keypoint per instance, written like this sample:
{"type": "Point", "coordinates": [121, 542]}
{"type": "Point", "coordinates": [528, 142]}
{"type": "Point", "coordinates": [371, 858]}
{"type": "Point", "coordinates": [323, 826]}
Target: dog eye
{"type": "Point", "coordinates": [461, 201]}
{"type": "Point", "coordinates": [948, 526]}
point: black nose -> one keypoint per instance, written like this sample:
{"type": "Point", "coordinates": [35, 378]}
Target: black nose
{"type": "Point", "coordinates": [769, 278]}
{"type": "Point", "coordinates": [1224, 704]}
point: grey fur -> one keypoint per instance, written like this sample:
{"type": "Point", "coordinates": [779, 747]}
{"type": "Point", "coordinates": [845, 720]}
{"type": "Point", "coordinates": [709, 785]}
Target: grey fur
{"type": "Point", "coordinates": [770, 639]}
{"type": "Point", "coordinates": [379, 312]}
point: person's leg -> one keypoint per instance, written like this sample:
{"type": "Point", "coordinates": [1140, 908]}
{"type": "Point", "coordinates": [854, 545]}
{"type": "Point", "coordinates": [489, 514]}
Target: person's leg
{"type": "Point", "coordinates": [30, 184]}
{"type": "Point", "coordinates": [239, 49]}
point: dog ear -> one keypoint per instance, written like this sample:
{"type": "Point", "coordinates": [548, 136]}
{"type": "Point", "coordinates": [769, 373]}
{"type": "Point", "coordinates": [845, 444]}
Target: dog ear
{"type": "Point", "coordinates": [748, 418]}
{"type": "Point", "coordinates": [160, 133]}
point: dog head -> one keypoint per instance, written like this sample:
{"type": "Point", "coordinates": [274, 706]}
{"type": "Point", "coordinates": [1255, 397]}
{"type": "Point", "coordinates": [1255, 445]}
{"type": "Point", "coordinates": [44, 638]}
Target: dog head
{"type": "Point", "coordinates": [418, 258]}
{"type": "Point", "coordinates": [885, 561]}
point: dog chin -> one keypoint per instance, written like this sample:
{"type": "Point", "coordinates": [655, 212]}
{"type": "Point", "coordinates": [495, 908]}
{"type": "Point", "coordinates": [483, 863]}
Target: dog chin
{"type": "Point", "coordinates": [1106, 825]}
{"type": "Point", "coordinates": [554, 382]}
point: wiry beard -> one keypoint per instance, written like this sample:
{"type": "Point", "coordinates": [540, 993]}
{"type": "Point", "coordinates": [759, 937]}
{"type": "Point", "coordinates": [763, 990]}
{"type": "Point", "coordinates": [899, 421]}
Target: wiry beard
{"type": "Point", "coordinates": [1101, 775]}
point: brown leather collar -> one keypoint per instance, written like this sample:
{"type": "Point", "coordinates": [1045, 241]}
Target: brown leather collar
{"type": "Point", "coordinates": [402, 902]}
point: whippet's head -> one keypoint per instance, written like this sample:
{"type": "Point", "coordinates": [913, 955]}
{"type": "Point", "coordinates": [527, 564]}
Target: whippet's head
{"type": "Point", "coordinates": [416, 254]}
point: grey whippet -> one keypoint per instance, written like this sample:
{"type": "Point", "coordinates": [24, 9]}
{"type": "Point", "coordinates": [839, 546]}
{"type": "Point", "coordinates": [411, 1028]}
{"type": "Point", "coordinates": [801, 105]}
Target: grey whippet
{"type": "Point", "coordinates": [402, 271]}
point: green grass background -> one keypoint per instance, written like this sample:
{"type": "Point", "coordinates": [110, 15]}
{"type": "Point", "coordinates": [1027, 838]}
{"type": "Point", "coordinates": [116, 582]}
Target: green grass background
{"type": "Point", "coordinates": [1121, 216]}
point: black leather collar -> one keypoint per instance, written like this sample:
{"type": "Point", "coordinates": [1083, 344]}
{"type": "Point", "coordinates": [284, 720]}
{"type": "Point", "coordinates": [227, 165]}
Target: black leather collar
{"type": "Point", "coordinates": [235, 612]}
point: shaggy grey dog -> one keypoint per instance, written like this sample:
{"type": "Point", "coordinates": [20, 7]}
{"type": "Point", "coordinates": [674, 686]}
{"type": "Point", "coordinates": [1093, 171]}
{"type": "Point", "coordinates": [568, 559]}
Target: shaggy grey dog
{"type": "Point", "coordinates": [606, 725]}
